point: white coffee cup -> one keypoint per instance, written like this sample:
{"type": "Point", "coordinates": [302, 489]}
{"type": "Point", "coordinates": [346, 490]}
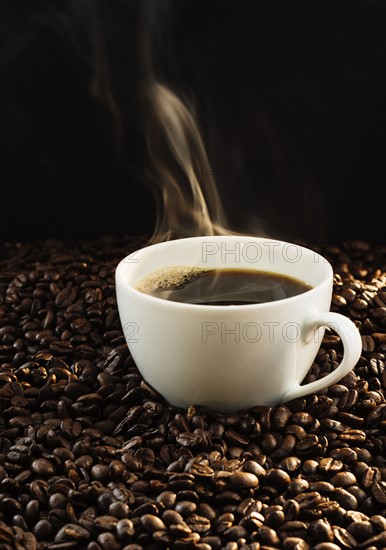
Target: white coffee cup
{"type": "Point", "coordinates": [228, 358]}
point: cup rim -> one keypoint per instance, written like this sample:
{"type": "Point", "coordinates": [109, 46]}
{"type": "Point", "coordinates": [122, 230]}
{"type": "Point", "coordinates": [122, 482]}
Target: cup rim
{"type": "Point", "coordinates": [123, 265]}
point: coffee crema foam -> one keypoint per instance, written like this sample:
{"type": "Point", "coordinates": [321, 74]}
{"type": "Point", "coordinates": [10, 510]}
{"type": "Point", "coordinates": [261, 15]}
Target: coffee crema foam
{"type": "Point", "coordinates": [169, 277]}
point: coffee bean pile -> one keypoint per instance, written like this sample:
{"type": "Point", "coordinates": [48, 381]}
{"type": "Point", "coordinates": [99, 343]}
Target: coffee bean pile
{"type": "Point", "coordinates": [91, 457]}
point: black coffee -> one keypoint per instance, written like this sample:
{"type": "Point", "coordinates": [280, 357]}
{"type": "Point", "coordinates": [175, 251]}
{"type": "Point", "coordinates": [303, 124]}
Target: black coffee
{"type": "Point", "coordinates": [220, 287]}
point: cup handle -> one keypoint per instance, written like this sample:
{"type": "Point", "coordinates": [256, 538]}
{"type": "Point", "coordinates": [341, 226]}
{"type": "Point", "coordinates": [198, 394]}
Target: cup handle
{"type": "Point", "coordinates": [352, 349]}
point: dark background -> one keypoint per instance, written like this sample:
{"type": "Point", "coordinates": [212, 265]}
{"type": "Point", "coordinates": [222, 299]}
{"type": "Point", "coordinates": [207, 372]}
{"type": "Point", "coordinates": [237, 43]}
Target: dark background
{"type": "Point", "coordinates": [290, 98]}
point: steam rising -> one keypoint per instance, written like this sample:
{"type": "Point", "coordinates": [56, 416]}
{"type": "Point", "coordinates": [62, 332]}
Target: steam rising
{"type": "Point", "coordinates": [188, 200]}
{"type": "Point", "coordinates": [190, 203]}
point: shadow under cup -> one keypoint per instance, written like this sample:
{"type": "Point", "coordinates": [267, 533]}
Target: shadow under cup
{"type": "Point", "coordinates": [233, 357]}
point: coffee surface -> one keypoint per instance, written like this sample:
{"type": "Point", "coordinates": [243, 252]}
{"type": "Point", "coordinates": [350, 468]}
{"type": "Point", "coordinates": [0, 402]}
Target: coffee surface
{"type": "Point", "coordinates": [220, 286]}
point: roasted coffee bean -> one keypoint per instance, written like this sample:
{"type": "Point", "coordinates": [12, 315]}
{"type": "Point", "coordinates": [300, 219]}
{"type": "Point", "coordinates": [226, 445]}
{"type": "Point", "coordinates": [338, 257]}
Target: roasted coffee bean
{"type": "Point", "coordinates": [88, 448]}
{"type": "Point", "coordinates": [278, 478]}
{"type": "Point", "coordinates": [330, 465]}
{"type": "Point", "coordinates": [108, 541]}
{"type": "Point", "coordinates": [185, 507]}
{"type": "Point", "coordinates": [308, 445]}
{"type": "Point", "coordinates": [243, 480]}
{"type": "Point", "coordinates": [71, 428]}
{"type": "Point", "coordinates": [321, 530]}
{"type": "Point", "coordinates": [290, 464]}
{"type": "Point", "coordinates": [198, 524]}
{"type": "Point", "coordinates": [199, 469]}
{"type": "Point", "coordinates": [206, 510]}
{"type": "Point", "coordinates": [147, 508]}
{"type": "Point", "coordinates": [344, 454]}
{"type": "Point", "coordinates": [72, 533]}
{"type": "Point", "coordinates": [378, 491]}
{"type": "Point", "coordinates": [213, 542]}
{"type": "Point", "coordinates": [295, 543]}
{"type": "Point", "coordinates": [352, 437]}
{"type": "Point", "coordinates": [106, 523]}
{"type": "Point", "coordinates": [291, 509]}
{"type": "Point", "coordinates": [61, 347]}
{"type": "Point", "coordinates": [181, 481]}
{"type": "Point", "coordinates": [344, 538]}
{"type": "Point", "coordinates": [124, 529]}
{"type": "Point", "coordinates": [65, 297]}
{"type": "Point", "coordinates": [31, 512]}
{"type": "Point", "coordinates": [43, 467]}
{"type": "Point", "coordinates": [274, 516]}
{"type": "Point", "coordinates": [370, 476]}
{"type": "Point", "coordinates": [343, 479]}
{"type": "Point", "coordinates": [377, 541]}
{"type": "Point", "coordinates": [180, 530]}
{"type": "Point", "coordinates": [152, 523]}
{"type": "Point", "coordinates": [119, 510]}
{"type": "Point", "coordinates": [361, 530]}
{"type": "Point", "coordinates": [43, 530]}
{"type": "Point", "coordinates": [345, 499]}
{"type": "Point", "coordinates": [170, 517]}
{"type": "Point", "coordinates": [268, 536]}
{"type": "Point", "coordinates": [293, 529]}
{"type": "Point", "coordinates": [100, 472]}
